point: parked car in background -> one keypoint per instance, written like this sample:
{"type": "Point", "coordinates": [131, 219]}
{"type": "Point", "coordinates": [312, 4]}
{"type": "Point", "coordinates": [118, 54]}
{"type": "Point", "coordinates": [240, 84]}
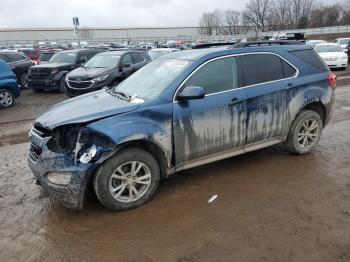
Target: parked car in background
{"type": "Point", "coordinates": [19, 64]}
{"type": "Point", "coordinates": [45, 56]}
{"type": "Point", "coordinates": [51, 75]}
{"type": "Point", "coordinates": [333, 55]}
{"type": "Point", "coordinates": [313, 43]}
{"type": "Point", "coordinates": [9, 88]}
{"type": "Point", "coordinates": [158, 52]}
{"type": "Point", "coordinates": [344, 43]}
{"type": "Point", "coordinates": [104, 70]}
{"type": "Point", "coordinates": [184, 110]}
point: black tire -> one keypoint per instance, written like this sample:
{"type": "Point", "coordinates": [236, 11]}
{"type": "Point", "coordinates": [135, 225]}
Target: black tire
{"type": "Point", "coordinates": [102, 180]}
{"type": "Point", "coordinates": [298, 131]}
{"type": "Point", "coordinates": [7, 98]}
{"type": "Point", "coordinates": [63, 84]}
{"type": "Point", "coordinates": [23, 80]}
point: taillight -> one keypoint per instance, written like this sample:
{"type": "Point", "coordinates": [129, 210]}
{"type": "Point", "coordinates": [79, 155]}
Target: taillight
{"type": "Point", "coordinates": [332, 80]}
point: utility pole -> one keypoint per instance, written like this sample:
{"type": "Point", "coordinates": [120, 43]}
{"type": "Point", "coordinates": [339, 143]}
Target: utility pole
{"type": "Point", "coordinates": [76, 31]}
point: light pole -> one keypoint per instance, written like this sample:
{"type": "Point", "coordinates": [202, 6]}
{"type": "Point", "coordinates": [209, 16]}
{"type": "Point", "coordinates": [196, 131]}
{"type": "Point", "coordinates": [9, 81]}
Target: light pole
{"type": "Point", "coordinates": [76, 31]}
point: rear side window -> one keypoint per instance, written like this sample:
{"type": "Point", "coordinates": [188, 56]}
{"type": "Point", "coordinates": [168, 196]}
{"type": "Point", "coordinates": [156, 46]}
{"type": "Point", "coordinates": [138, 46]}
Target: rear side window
{"type": "Point", "coordinates": [310, 57]}
{"type": "Point", "coordinates": [216, 76]}
{"type": "Point", "coordinates": [4, 57]}
{"type": "Point", "coordinates": [288, 70]}
{"type": "Point", "coordinates": [16, 57]}
{"type": "Point", "coordinates": [261, 68]}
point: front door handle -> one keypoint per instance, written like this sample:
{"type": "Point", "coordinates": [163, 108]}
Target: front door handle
{"type": "Point", "coordinates": [289, 86]}
{"type": "Point", "coordinates": [234, 101]}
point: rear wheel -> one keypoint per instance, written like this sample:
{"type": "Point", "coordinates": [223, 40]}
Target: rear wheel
{"type": "Point", "coordinates": [305, 132]}
{"type": "Point", "coordinates": [6, 98]}
{"type": "Point", "coordinates": [127, 180]}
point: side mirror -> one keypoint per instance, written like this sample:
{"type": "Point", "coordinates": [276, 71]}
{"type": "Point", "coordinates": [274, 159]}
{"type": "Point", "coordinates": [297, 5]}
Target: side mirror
{"type": "Point", "coordinates": [191, 92]}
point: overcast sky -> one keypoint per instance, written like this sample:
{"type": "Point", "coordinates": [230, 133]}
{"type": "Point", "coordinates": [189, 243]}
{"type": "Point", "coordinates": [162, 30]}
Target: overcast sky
{"type": "Point", "coordinates": [116, 13]}
{"type": "Point", "coordinates": [48, 13]}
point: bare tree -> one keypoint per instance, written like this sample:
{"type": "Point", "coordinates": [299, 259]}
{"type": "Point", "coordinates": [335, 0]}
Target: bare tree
{"type": "Point", "coordinates": [232, 20]}
{"type": "Point", "coordinates": [281, 14]}
{"type": "Point", "coordinates": [210, 23]}
{"type": "Point", "coordinates": [299, 11]}
{"type": "Point", "coordinates": [257, 13]}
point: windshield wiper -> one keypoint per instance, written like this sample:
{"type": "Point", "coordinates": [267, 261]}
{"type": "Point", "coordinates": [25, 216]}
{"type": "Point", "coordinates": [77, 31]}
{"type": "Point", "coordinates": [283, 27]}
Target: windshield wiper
{"type": "Point", "coordinates": [120, 93]}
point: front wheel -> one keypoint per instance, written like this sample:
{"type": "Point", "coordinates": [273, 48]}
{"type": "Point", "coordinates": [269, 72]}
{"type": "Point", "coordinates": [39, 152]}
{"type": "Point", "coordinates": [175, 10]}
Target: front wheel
{"type": "Point", "coordinates": [23, 79]}
{"type": "Point", "coordinates": [305, 132]}
{"type": "Point", "coordinates": [6, 98]}
{"type": "Point", "coordinates": [63, 84]}
{"type": "Point", "coordinates": [127, 180]}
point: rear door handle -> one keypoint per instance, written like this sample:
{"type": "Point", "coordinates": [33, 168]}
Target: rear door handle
{"type": "Point", "coordinates": [234, 101]}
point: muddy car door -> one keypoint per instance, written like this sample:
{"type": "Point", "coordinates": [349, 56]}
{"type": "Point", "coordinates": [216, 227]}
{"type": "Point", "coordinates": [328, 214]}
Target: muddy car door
{"type": "Point", "coordinates": [266, 78]}
{"type": "Point", "coordinates": [213, 125]}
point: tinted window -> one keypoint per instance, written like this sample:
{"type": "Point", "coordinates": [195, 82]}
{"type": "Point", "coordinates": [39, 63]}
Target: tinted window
{"type": "Point", "coordinates": [310, 57]}
{"type": "Point", "coordinates": [288, 70]}
{"type": "Point", "coordinates": [137, 58]}
{"type": "Point", "coordinates": [216, 76]}
{"type": "Point", "coordinates": [126, 60]}
{"type": "Point", "coordinates": [16, 57]}
{"type": "Point", "coordinates": [4, 57]}
{"type": "Point", "coordinates": [260, 68]}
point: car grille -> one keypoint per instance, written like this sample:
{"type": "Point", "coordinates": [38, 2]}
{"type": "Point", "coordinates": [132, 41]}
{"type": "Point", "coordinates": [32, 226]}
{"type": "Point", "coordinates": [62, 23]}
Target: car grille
{"type": "Point", "coordinates": [79, 84]}
{"type": "Point", "coordinates": [34, 152]}
{"type": "Point", "coordinates": [40, 73]}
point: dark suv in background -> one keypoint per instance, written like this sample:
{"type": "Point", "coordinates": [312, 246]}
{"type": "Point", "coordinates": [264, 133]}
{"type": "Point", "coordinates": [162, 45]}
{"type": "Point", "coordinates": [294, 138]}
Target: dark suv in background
{"type": "Point", "coordinates": [51, 75]}
{"type": "Point", "coordinates": [104, 69]}
{"type": "Point", "coordinates": [19, 64]}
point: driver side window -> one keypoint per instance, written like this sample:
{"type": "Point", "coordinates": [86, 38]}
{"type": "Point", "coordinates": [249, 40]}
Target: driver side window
{"type": "Point", "coordinates": [126, 60]}
{"type": "Point", "coordinates": [216, 76]}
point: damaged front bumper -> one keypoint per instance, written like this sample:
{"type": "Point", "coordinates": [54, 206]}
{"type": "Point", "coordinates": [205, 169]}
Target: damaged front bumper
{"type": "Point", "coordinates": [64, 180]}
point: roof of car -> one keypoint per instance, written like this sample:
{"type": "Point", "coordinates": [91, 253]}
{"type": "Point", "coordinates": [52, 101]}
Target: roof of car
{"type": "Point", "coordinates": [117, 52]}
{"type": "Point", "coordinates": [196, 54]}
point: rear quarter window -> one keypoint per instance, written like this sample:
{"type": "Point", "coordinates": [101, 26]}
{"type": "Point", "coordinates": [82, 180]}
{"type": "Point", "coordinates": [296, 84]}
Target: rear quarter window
{"type": "Point", "coordinates": [310, 57]}
{"type": "Point", "coordinates": [262, 68]}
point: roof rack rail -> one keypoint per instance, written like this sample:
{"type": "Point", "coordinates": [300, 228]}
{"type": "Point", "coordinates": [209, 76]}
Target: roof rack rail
{"type": "Point", "coordinates": [213, 45]}
{"type": "Point", "coordinates": [266, 43]}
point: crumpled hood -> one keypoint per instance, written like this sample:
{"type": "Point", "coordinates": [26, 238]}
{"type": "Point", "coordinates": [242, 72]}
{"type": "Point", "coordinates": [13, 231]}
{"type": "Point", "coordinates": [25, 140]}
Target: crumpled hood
{"type": "Point", "coordinates": [51, 65]}
{"type": "Point", "coordinates": [84, 108]}
{"type": "Point", "coordinates": [84, 73]}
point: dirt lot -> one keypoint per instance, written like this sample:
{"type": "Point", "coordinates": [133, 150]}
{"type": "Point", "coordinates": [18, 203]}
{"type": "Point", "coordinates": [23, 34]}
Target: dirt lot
{"type": "Point", "coordinates": [271, 206]}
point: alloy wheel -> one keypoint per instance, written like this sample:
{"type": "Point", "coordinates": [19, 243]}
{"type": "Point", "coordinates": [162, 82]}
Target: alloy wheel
{"type": "Point", "coordinates": [6, 98]}
{"type": "Point", "coordinates": [130, 181]}
{"type": "Point", "coordinates": [308, 133]}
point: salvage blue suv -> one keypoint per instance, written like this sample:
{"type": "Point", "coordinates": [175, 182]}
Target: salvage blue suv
{"type": "Point", "coordinates": [182, 110]}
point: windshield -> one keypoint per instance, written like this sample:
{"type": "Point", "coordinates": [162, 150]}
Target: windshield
{"type": "Point", "coordinates": [46, 56]}
{"type": "Point", "coordinates": [148, 82]}
{"type": "Point", "coordinates": [63, 58]}
{"type": "Point", "coordinates": [103, 61]}
{"type": "Point", "coordinates": [154, 54]}
{"type": "Point", "coordinates": [328, 48]}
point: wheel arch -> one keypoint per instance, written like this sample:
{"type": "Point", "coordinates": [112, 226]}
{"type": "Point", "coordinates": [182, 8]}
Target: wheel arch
{"type": "Point", "coordinates": [317, 107]}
